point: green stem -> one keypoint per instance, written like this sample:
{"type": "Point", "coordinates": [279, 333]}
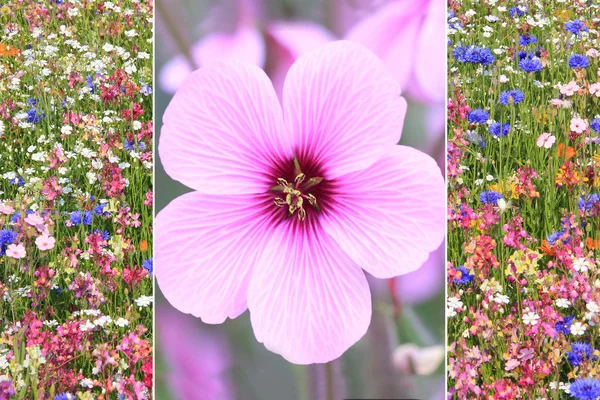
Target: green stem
{"type": "Point", "coordinates": [180, 41]}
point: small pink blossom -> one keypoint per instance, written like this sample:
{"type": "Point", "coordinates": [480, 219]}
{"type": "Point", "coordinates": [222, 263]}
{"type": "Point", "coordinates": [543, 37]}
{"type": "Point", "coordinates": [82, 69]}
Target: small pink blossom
{"type": "Point", "coordinates": [16, 251]}
{"type": "Point", "coordinates": [34, 219]}
{"type": "Point", "coordinates": [569, 89]}
{"type": "Point", "coordinates": [45, 242]}
{"type": "Point", "coordinates": [578, 125]}
{"type": "Point", "coordinates": [6, 209]}
{"type": "Point", "coordinates": [595, 89]}
{"type": "Point", "coordinates": [512, 364]}
{"type": "Point", "coordinates": [546, 140]}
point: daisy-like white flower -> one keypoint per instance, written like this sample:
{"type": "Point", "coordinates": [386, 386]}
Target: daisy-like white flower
{"type": "Point", "coordinates": [577, 329]}
{"type": "Point", "coordinates": [293, 199]}
{"type": "Point", "coordinates": [581, 265]}
{"type": "Point", "coordinates": [562, 303]}
{"type": "Point", "coordinates": [531, 318]}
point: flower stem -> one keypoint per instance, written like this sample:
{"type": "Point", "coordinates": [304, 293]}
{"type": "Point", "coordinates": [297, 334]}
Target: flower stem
{"type": "Point", "coordinates": [180, 41]}
{"type": "Point", "coordinates": [329, 390]}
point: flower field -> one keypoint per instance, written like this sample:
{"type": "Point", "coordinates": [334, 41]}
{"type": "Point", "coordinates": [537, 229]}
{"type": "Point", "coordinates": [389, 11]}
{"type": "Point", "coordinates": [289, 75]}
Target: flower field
{"type": "Point", "coordinates": [524, 200]}
{"type": "Point", "coordinates": [76, 199]}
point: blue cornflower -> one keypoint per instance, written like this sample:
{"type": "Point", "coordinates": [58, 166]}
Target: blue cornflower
{"type": "Point", "coordinates": [129, 145]}
{"type": "Point", "coordinates": [90, 84]}
{"type": "Point", "coordinates": [31, 102]}
{"type": "Point", "coordinates": [490, 197]}
{"type": "Point", "coordinates": [465, 276]}
{"type": "Point", "coordinates": [474, 55]}
{"type": "Point", "coordinates": [148, 265]}
{"type": "Point", "coordinates": [511, 97]}
{"type": "Point", "coordinates": [478, 116]}
{"type": "Point", "coordinates": [531, 65]}
{"type": "Point", "coordinates": [576, 27]}
{"type": "Point", "coordinates": [142, 146]}
{"type": "Point", "coordinates": [585, 389]}
{"type": "Point", "coordinates": [19, 181]}
{"type": "Point", "coordinates": [146, 90]}
{"type": "Point", "coordinates": [578, 61]}
{"type": "Point", "coordinates": [595, 125]}
{"type": "Point", "coordinates": [564, 326]}
{"type": "Point", "coordinates": [63, 396]}
{"type": "Point", "coordinates": [587, 202]}
{"type": "Point", "coordinates": [34, 116]}
{"type": "Point", "coordinates": [579, 353]}
{"type": "Point", "coordinates": [554, 237]}
{"type": "Point", "coordinates": [75, 217]}
{"type": "Point", "coordinates": [518, 11]}
{"type": "Point", "coordinates": [88, 217]}
{"type": "Point", "coordinates": [497, 129]}
{"type": "Point", "coordinates": [524, 40]}
{"type": "Point", "coordinates": [475, 138]}
{"type": "Point", "coordinates": [105, 235]}
{"type": "Point", "coordinates": [99, 210]}
{"type": "Point", "coordinates": [6, 237]}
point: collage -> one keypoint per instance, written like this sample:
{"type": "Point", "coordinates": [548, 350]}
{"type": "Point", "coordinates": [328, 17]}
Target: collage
{"type": "Point", "coordinates": [299, 200]}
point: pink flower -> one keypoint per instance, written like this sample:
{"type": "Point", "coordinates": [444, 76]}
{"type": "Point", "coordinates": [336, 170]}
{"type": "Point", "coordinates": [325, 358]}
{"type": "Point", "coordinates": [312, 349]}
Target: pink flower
{"type": "Point", "coordinates": [15, 251]}
{"type": "Point", "coordinates": [409, 36]}
{"type": "Point", "coordinates": [198, 360]}
{"type": "Point", "coordinates": [34, 219]}
{"type": "Point", "coordinates": [578, 125]}
{"type": "Point", "coordinates": [546, 140]}
{"type": "Point", "coordinates": [424, 283]}
{"type": "Point", "coordinates": [595, 89]}
{"type": "Point", "coordinates": [569, 89]}
{"type": "Point", "coordinates": [512, 364]}
{"type": "Point", "coordinates": [45, 242]}
{"type": "Point", "coordinates": [293, 199]}
{"type": "Point", "coordinates": [286, 41]}
{"type": "Point", "coordinates": [6, 209]}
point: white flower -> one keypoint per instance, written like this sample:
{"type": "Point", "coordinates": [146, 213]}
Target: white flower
{"type": "Point", "coordinates": [501, 299]}
{"type": "Point", "coordinates": [454, 302]}
{"type": "Point", "coordinates": [563, 303]}
{"type": "Point", "coordinates": [581, 265]}
{"type": "Point", "coordinates": [87, 326]}
{"type": "Point", "coordinates": [531, 318]}
{"type": "Point", "coordinates": [121, 322]}
{"type": "Point", "coordinates": [143, 301]}
{"type": "Point", "coordinates": [87, 382]}
{"type": "Point", "coordinates": [577, 329]}
{"type": "Point", "coordinates": [592, 307]}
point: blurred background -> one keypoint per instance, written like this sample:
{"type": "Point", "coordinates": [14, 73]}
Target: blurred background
{"type": "Point", "coordinates": [402, 354]}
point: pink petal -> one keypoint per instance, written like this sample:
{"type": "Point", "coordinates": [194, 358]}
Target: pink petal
{"type": "Point", "coordinates": [198, 359]}
{"type": "Point", "coordinates": [289, 40]}
{"type": "Point", "coordinates": [207, 247]}
{"type": "Point", "coordinates": [391, 33]}
{"type": "Point", "coordinates": [424, 283]}
{"type": "Point", "coordinates": [245, 44]}
{"type": "Point", "coordinates": [223, 130]}
{"type": "Point", "coordinates": [389, 217]}
{"type": "Point", "coordinates": [429, 67]}
{"type": "Point", "coordinates": [308, 301]}
{"type": "Point", "coordinates": [343, 106]}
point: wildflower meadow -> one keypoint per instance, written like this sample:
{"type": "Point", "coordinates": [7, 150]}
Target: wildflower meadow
{"type": "Point", "coordinates": [523, 169]}
{"type": "Point", "coordinates": [76, 199]}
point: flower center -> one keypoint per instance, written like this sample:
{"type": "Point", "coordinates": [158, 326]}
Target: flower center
{"type": "Point", "coordinates": [294, 195]}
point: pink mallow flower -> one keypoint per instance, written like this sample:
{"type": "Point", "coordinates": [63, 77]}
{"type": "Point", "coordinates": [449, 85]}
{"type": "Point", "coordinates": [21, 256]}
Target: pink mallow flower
{"type": "Point", "coordinates": [198, 359]}
{"type": "Point", "coordinates": [16, 251]}
{"type": "Point", "coordinates": [293, 199]}
{"type": "Point", "coordinates": [578, 125]}
{"type": "Point", "coordinates": [570, 88]}
{"type": "Point", "coordinates": [45, 242]}
{"type": "Point", "coordinates": [595, 89]}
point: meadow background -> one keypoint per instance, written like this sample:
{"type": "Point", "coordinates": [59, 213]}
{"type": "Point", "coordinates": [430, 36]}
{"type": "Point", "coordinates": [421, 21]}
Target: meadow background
{"type": "Point", "coordinates": [76, 199]}
{"type": "Point", "coordinates": [524, 209]}
{"type": "Point", "coordinates": [237, 366]}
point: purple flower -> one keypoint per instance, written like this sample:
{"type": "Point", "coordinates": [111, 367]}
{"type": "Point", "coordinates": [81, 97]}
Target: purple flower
{"type": "Point", "coordinates": [293, 199]}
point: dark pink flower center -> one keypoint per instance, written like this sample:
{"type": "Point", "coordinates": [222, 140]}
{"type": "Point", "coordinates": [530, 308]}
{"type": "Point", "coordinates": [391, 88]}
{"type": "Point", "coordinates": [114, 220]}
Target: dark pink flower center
{"type": "Point", "coordinates": [299, 189]}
